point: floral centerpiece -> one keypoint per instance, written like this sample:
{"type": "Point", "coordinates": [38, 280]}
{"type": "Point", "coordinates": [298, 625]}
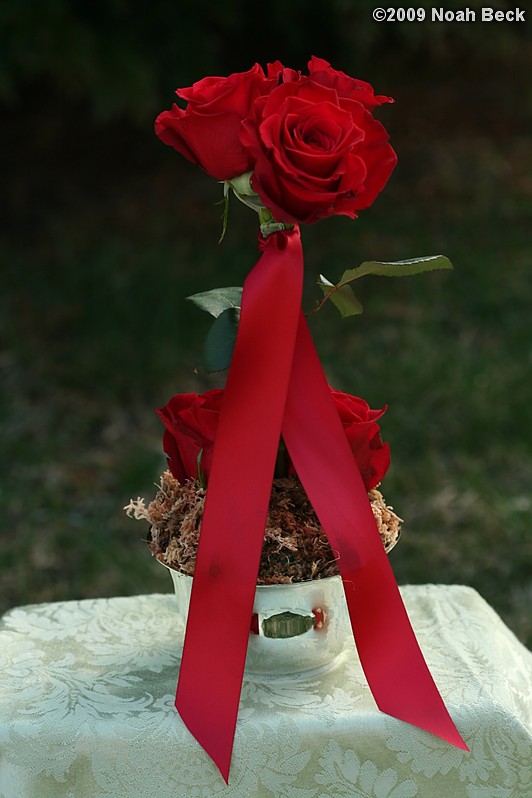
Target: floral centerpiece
{"type": "Point", "coordinates": [294, 497]}
{"type": "Point", "coordinates": [295, 546]}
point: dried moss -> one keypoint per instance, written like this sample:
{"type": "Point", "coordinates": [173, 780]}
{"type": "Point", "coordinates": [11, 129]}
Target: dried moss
{"type": "Point", "coordinates": [295, 546]}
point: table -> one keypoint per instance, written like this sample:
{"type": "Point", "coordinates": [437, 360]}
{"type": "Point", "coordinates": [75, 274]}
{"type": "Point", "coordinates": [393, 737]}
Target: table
{"type": "Point", "coordinates": [86, 711]}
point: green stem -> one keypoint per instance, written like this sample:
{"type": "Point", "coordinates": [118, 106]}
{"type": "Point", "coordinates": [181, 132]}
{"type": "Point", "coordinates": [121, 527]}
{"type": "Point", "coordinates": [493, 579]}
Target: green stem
{"type": "Point", "coordinates": [265, 216]}
{"type": "Point", "coordinates": [322, 302]}
{"type": "Point", "coordinates": [201, 476]}
{"type": "Point", "coordinates": [281, 463]}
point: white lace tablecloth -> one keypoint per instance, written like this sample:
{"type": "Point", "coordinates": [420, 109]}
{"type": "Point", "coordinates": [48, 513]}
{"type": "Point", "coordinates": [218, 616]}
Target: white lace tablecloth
{"type": "Point", "coordinates": [86, 711]}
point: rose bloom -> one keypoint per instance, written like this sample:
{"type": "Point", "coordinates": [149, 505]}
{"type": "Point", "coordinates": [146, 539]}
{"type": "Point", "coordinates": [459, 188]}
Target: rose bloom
{"type": "Point", "coordinates": [311, 141]}
{"type": "Point", "coordinates": [320, 71]}
{"type": "Point", "coordinates": [191, 421]}
{"type": "Point", "coordinates": [316, 148]}
{"type": "Point", "coordinates": [207, 132]}
{"type": "Point", "coordinates": [360, 426]}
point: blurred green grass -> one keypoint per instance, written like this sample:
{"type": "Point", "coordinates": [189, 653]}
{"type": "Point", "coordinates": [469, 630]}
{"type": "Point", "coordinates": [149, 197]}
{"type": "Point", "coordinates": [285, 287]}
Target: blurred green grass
{"type": "Point", "coordinates": [96, 333]}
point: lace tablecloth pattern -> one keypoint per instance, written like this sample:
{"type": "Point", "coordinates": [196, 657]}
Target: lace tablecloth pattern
{"type": "Point", "coordinates": [87, 711]}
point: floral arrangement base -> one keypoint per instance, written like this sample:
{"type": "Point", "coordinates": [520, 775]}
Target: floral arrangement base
{"type": "Point", "coordinates": [297, 630]}
{"type": "Point", "coordinates": [295, 547]}
{"type": "Point", "coordinates": [300, 622]}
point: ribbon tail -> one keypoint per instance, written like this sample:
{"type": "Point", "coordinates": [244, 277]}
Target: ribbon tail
{"type": "Point", "coordinates": [238, 495]}
{"type": "Point", "coordinates": [393, 663]}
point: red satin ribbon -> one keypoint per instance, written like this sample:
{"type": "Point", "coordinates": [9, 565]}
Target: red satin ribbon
{"type": "Point", "coordinates": [394, 666]}
{"type": "Point", "coordinates": [276, 382]}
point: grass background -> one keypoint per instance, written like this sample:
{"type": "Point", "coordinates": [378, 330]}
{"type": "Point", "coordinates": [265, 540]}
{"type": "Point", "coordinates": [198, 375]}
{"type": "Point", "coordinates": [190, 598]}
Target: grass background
{"type": "Point", "coordinates": [105, 231]}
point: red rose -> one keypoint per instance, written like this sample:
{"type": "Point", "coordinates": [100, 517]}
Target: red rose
{"type": "Point", "coordinates": [207, 131]}
{"type": "Point", "coordinates": [320, 71]}
{"type": "Point", "coordinates": [315, 146]}
{"type": "Point", "coordinates": [191, 421]}
{"type": "Point", "coordinates": [360, 426]}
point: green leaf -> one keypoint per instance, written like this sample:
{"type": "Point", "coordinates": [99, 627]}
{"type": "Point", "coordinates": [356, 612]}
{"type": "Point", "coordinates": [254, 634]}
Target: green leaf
{"type": "Point", "coordinates": [343, 297]}
{"type": "Point", "coordinates": [398, 268]}
{"type": "Point", "coordinates": [218, 300]}
{"type": "Point", "coordinates": [220, 341]}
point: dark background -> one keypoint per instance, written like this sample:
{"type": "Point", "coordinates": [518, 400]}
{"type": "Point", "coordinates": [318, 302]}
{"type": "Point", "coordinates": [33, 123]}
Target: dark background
{"type": "Point", "coordinates": [105, 231]}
